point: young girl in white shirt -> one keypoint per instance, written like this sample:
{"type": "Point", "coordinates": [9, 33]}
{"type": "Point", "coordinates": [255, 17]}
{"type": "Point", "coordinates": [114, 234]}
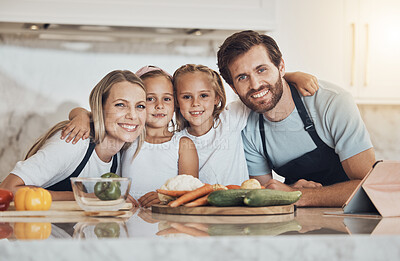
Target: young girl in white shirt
{"type": "Point", "coordinates": [118, 103]}
{"type": "Point", "coordinates": [215, 130]}
{"type": "Point", "coordinates": [164, 153]}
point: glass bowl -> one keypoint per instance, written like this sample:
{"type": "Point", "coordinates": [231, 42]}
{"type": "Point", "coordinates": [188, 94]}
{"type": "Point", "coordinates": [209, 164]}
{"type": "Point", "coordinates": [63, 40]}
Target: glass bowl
{"type": "Point", "coordinates": [101, 194]}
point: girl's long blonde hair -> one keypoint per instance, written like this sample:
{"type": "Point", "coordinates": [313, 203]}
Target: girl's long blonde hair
{"type": "Point", "coordinates": [97, 99]}
{"type": "Point", "coordinates": [215, 81]}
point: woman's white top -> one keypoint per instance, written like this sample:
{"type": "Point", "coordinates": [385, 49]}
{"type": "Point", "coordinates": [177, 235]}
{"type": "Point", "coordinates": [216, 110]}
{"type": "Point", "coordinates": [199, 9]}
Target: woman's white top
{"type": "Point", "coordinates": [57, 160]}
{"type": "Point", "coordinates": [221, 154]}
{"type": "Point", "coordinates": [152, 167]}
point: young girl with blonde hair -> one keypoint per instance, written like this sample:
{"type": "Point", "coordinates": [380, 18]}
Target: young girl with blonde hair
{"type": "Point", "coordinates": [118, 103]}
{"type": "Point", "coordinates": [165, 153]}
{"type": "Point", "coordinates": [216, 131]}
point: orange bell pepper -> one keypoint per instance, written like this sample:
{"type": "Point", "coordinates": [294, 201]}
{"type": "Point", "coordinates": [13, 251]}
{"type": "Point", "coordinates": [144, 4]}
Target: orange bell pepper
{"type": "Point", "coordinates": [28, 198]}
{"type": "Point", "coordinates": [32, 230]}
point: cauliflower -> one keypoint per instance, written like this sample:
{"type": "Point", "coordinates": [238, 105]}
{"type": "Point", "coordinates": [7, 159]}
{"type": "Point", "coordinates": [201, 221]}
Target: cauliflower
{"type": "Point", "coordinates": [251, 184]}
{"type": "Point", "coordinates": [179, 182]}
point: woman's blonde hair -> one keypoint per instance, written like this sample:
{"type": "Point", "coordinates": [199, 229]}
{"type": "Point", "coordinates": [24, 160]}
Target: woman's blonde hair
{"type": "Point", "coordinates": [216, 83]}
{"type": "Point", "coordinates": [98, 97]}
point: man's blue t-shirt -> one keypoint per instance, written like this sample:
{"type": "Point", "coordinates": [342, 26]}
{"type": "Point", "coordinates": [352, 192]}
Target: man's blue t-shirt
{"type": "Point", "coordinates": [337, 121]}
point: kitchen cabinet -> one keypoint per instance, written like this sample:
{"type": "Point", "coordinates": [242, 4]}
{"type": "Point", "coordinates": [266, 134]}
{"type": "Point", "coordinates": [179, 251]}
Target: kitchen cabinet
{"type": "Point", "coordinates": [373, 38]}
{"type": "Point", "coordinates": [352, 43]}
{"type": "Point", "coordinates": [205, 14]}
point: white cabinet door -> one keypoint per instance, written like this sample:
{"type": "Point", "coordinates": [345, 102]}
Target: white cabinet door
{"type": "Point", "coordinates": [311, 38]}
{"type": "Point", "coordinates": [379, 51]}
{"type": "Point", "coordinates": [204, 14]}
{"type": "Point", "coordinates": [353, 43]}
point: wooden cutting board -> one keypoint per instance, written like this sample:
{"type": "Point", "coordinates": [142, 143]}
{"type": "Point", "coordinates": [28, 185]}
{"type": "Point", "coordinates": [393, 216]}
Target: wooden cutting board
{"type": "Point", "coordinates": [223, 211]}
{"type": "Point", "coordinates": [69, 206]}
{"type": "Point", "coordinates": [68, 209]}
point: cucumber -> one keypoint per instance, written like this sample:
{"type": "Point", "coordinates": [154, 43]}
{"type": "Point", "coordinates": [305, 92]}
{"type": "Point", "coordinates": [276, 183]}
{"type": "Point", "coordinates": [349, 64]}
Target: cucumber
{"type": "Point", "coordinates": [227, 198]}
{"type": "Point", "coordinates": [269, 197]}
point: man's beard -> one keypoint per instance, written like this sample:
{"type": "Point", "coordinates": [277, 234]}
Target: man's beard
{"type": "Point", "coordinates": [275, 90]}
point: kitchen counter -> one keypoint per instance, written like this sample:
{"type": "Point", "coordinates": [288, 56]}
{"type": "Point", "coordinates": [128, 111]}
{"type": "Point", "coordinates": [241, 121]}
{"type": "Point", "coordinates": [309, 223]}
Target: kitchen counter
{"type": "Point", "coordinates": [309, 234]}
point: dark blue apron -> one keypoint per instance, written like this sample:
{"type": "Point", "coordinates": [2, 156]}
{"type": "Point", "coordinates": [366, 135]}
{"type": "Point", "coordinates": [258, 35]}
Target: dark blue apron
{"type": "Point", "coordinates": [65, 185]}
{"type": "Point", "coordinates": [320, 165]}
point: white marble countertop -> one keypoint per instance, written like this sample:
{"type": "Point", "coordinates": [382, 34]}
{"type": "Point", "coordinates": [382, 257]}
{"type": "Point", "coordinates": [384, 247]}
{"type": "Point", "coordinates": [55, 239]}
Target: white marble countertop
{"type": "Point", "coordinates": [322, 247]}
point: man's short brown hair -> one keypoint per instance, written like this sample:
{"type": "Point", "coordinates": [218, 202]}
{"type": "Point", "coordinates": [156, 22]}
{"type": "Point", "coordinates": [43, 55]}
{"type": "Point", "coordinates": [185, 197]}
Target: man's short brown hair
{"type": "Point", "coordinates": [241, 42]}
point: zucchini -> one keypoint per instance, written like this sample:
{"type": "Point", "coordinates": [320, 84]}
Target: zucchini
{"type": "Point", "coordinates": [269, 197]}
{"type": "Point", "coordinates": [227, 198]}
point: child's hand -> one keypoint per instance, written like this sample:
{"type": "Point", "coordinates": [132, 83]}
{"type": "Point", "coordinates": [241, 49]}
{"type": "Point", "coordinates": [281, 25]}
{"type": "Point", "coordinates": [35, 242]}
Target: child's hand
{"type": "Point", "coordinates": [305, 83]}
{"type": "Point", "coordinates": [130, 199]}
{"type": "Point", "coordinates": [77, 128]}
{"type": "Point", "coordinates": [149, 199]}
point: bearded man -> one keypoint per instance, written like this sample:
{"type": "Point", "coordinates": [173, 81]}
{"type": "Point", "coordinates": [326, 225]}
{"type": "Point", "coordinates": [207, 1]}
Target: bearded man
{"type": "Point", "coordinates": [319, 138]}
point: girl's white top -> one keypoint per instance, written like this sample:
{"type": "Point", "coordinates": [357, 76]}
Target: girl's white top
{"type": "Point", "coordinates": [220, 150]}
{"type": "Point", "coordinates": [152, 167]}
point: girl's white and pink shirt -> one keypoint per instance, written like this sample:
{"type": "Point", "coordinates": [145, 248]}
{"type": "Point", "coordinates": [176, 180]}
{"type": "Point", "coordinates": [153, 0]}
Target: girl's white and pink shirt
{"type": "Point", "coordinates": [221, 154]}
{"type": "Point", "coordinates": [152, 167]}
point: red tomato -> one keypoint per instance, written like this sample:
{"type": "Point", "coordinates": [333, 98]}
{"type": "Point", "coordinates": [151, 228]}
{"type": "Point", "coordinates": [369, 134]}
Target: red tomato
{"type": "Point", "coordinates": [6, 197]}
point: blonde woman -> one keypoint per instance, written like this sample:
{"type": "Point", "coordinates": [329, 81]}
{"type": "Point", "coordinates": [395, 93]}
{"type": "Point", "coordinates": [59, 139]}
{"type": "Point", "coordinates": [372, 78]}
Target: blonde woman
{"type": "Point", "coordinates": [118, 105]}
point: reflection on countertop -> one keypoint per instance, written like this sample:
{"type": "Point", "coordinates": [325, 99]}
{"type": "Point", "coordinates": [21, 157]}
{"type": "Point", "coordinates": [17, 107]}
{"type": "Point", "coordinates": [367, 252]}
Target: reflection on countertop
{"type": "Point", "coordinates": [145, 224]}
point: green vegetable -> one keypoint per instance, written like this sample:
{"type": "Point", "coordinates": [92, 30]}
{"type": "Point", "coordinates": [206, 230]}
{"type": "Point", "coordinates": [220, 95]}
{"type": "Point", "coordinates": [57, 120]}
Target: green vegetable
{"type": "Point", "coordinates": [252, 197]}
{"type": "Point", "coordinates": [227, 198]}
{"type": "Point", "coordinates": [269, 197]}
{"type": "Point", "coordinates": [108, 229]}
{"type": "Point", "coordinates": [109, 190]}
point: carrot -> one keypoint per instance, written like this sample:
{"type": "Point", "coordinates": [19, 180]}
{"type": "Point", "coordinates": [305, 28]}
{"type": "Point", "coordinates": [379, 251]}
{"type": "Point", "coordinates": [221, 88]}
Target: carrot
{"type": "Point", "coordinates": [262, 187]}
{"type": "Point", "coordinates": [233, 187]}
{"type": "Point", "coordinates": [192, 195]}
{"type": "Point", "coordinates": [203, 200]}
{"type": "Point", "coordinates": [198, 202]}
{"type": "Point", "coordinates": [173, 193]}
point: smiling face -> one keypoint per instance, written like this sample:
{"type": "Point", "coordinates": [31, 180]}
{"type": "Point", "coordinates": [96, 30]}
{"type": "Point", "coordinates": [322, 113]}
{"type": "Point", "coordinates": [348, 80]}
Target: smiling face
{"type": "Point", "coordinates": [125, 112]}
{"type": "Point", "coordinates": [197, 100]}
{"type": "Point", "coordinates": [159, 101]}
{"type": "Point", "coordinates": [256, 80]}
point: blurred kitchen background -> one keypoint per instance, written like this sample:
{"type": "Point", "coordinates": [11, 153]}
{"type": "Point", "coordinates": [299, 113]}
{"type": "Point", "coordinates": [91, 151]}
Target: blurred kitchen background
{"type": "Point", "coordinates": [52, 53]}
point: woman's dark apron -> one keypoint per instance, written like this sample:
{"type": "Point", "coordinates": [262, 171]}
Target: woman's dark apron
{"type": "Point", "coordinates": [65, 185]}
{"type": "Point", "coordinates": [320, 165]}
